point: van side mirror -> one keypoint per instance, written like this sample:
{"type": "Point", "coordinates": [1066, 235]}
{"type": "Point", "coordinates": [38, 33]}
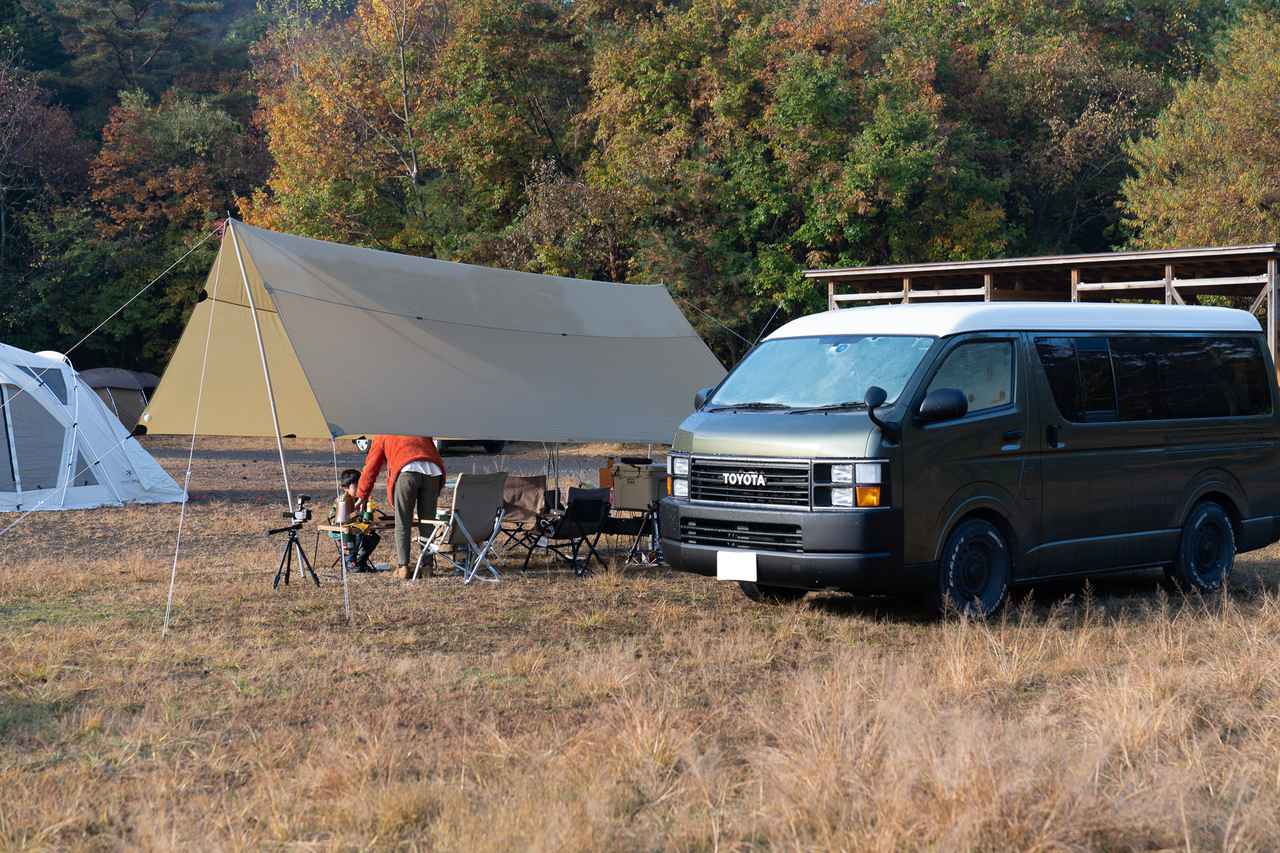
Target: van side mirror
{"type": "Point", "coordinates": [701, 397]}
{"type": "Point", "coordinates": [874, 399]}
{"type": "Point", "coordinates": [943, 404]}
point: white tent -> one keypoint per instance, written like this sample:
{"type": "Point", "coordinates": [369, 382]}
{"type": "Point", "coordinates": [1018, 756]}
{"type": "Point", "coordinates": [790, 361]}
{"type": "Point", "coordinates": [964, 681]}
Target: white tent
{"type": "Point", "coordinates": [60, 448]}
{"type": "Point", "coordinates": [358, 341]}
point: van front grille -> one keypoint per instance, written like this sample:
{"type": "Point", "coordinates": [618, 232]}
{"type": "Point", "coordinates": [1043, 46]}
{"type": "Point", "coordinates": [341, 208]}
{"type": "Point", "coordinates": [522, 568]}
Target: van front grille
{"type": "Point", "coordinates": [747, 535]}
{"type": "Point", "coordinates": [744, 481]}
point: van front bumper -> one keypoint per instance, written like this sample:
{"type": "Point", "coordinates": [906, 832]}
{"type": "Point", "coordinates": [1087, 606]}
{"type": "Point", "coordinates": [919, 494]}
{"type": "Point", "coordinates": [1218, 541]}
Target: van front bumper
{"type": "Point", "coordinates": [856, 551]}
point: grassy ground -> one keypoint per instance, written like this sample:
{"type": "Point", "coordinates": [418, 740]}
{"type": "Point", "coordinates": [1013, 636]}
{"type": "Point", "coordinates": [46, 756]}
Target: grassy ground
{"type": "Point", "coordinates": [636, 710]}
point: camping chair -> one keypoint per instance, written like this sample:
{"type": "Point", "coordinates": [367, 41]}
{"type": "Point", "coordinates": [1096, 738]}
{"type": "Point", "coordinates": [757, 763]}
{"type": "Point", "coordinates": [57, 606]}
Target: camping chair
{"type": "Point", "coordinates": [524, 504]}
{"type": "Point", "coordinates": [473, 524]}
{"type": "Point", "coordinates": [581, 523]}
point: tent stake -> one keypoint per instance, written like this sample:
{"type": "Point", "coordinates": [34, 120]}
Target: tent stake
{"type": "Point", "coordinates": [266, 372]}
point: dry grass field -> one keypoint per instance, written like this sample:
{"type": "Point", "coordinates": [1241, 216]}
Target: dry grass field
{"type": "Point", "coordinates": [633, 710]}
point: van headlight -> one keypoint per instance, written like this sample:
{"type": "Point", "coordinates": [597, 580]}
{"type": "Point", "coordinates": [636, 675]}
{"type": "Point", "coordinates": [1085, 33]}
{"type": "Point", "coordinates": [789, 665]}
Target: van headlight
{"type": "Point", "coordinates": [848, 485]}
{"type": "Point", "coordinates": [678, 475]}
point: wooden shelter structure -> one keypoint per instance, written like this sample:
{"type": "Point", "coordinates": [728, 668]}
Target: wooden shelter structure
{"type": "Point", "coordinates": [1250, 274]}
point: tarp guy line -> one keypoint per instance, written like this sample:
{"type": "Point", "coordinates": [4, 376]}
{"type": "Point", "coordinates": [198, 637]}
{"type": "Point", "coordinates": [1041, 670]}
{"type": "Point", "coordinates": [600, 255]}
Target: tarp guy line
{"type": "Point", "coordinates": [186, 481]}
{"type": "Point", "coordinates": [112, 315]}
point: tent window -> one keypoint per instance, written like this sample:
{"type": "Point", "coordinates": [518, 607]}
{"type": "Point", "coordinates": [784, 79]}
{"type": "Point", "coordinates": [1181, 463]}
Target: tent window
{"type": "Point", "coordinates": [38, 439]}
{"type": "Point", "coordinates": [84, 474]}
{"type": "Point", "coordinates": [50, 376]}
{"type": "Point", "coordinates": [7, 481]}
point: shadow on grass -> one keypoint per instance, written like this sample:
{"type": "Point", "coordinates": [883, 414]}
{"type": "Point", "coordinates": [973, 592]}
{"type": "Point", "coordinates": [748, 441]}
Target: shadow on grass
{"type": "Point", "coordinates": [1129, 592]}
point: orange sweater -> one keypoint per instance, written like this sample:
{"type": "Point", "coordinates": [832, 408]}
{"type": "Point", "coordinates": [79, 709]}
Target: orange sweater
{"type": "Point", "coordinates": [395, 451]}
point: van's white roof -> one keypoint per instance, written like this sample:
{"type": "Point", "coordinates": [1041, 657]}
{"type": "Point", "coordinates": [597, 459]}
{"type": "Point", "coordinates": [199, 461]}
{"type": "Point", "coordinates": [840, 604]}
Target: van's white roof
{"type": "Point", "coordinates": [952, 318]}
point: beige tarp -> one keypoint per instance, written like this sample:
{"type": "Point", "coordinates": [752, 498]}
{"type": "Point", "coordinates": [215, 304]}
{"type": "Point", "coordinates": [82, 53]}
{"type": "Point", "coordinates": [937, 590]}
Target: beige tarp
{"type": "Point", "coordinates": [362, 341]}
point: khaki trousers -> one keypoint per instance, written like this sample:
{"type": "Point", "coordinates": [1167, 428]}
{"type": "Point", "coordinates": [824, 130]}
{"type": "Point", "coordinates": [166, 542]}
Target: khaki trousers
{"type": "Point", "coordinates": [414, 491]}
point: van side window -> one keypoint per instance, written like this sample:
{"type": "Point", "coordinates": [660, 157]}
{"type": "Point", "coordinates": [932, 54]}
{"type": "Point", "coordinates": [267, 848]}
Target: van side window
{"type": "Point", "coordinates": [1079, 374]}
{"type": "Point", "coordinates": [1189, 376]}
{"type": "Point", "coordinates": [1156, 377]}
{"type": "Point", "coordinates": [982, 371]}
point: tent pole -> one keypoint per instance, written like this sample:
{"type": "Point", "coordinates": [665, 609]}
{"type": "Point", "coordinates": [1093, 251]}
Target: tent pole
{"type": "Point", "coordinates": [75, 428]}
{"type": "Point", "coordinates": [342, 539]}
{"type": "Point", "coordinates": [99, 474]}
{"type": "Point", "coordinates": [266, 372]}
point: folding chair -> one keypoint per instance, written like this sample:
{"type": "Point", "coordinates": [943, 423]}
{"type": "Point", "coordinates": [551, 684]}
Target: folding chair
{"type": "Point", "coordinates": [524, 502]}
{"type": "Point", "coordinates": [473, 524]}
{"type": "Point", "coordinates": [582, 523]}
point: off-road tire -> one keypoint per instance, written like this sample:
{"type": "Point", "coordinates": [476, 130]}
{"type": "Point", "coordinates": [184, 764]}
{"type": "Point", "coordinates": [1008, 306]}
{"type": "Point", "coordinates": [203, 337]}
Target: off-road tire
{"type": "Point", "coordinates": [1206, 550]}
{"type": "Point", "coordinates": [974, 572]}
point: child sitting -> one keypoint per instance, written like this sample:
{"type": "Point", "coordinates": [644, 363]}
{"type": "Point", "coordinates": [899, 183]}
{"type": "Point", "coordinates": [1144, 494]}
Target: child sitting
{"type": "Point", "coordinates": [358, 546]}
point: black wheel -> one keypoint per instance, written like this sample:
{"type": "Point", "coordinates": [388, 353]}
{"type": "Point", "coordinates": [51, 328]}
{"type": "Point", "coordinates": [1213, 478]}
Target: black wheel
{"type": "Point", "coordinates": [771, 594]}
{"type": "Point", "coordinates": [1206, 551]}
{"type": "Point", "coordinates": [494, 447]}
{"type": "Point", "coordinates": [974, 574]}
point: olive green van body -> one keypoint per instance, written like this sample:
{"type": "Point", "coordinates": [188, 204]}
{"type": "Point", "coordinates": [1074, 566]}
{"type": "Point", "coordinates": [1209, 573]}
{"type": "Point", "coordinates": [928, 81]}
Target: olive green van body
{"type": "Point", "coordinates": [1104, 491]}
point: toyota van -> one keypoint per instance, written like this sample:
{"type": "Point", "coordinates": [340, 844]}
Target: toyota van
{"type": "Point", "coordinates": [949, 451]}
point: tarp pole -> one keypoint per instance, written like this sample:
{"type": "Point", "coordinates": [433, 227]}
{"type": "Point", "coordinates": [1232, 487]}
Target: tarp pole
{"type": "Point", "coordinates": [266, 372]}
{"type": "Point", "coordinates": [342, 539]}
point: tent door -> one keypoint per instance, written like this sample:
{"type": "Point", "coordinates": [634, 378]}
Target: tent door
{"type": "Point", "coordinates": [8, 457]}
{"type": "Point", "coordinates": [39, 441]}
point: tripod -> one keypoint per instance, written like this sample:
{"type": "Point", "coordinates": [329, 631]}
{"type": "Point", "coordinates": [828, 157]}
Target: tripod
{"type": "Point", "coordinates": [286, 558]}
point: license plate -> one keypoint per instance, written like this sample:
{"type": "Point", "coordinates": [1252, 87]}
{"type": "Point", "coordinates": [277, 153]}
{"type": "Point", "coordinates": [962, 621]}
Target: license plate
{"type": "Point", "coordinates": [736, 566]}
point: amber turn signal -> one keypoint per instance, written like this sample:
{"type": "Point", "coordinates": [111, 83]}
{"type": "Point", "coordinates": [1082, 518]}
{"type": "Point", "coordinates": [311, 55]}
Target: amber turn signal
{"type": "Point", "coordinates": [668, 487]}
{"type": "Point", "coordinates": [868, 496]}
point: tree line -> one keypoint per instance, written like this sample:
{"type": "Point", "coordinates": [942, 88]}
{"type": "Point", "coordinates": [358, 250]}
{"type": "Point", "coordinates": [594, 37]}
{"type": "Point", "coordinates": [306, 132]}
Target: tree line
{"type": "Point", "coordinates": [717, 146]}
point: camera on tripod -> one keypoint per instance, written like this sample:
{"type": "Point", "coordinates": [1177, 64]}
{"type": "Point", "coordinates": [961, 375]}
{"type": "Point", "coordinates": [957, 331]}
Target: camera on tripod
{"type": "Point", "coordinates": [301, 512]}
{"type": "Point", "coordinates": [296, 517]}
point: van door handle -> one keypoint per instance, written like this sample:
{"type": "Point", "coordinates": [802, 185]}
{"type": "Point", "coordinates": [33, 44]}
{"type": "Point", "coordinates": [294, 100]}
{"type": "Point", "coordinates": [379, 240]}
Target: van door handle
{"type": "Point", "coordinates": [1013, 435]}
{"type": "Point", "coordinates": [1051, 435]}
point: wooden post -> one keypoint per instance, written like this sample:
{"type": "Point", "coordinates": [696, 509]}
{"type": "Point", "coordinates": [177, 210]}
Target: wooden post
{"type": "Point", "coordinates": [831, 294]}
{"type": "Point", "coordinates": [987, 286]}
{"type": "Point", "coordinates": [906, 289]}
{"type": "Point", "coordinates": [1169, 296]}
{"type": "Point", "coordinates": [1273, 304]}
{"type": "Point", "coordinates": [1075, 285]}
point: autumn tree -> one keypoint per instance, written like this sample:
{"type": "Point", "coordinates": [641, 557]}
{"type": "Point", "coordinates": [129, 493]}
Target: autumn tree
{"type": "Point", "coordinates": [168, 169]}
{"type": "Point", "coordinates": [570, 227]}
{"type": "Point", "coordinates": [39, 153]}
{"type": "Point", "coordinates": [1209, 173]}
{"type": "Point", "coordinates": [344, 111]}
{"type": "Point", "coordinates": [413, 124]}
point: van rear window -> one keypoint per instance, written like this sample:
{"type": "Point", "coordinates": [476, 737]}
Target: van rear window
{"type": "Point", "coordinates": [1155, 377]}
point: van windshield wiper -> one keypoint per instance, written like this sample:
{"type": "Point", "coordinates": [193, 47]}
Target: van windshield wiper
{"type": "Point", "coordinates": [757, 406]}
{"type": "Point", "coordinates": [831, 407]}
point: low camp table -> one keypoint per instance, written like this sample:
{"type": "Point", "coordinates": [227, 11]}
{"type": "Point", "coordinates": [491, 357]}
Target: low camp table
{"type": "Point", "coordinates": [378, 525]}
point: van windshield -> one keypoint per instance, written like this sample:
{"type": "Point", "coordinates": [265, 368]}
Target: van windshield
{"type": "Point", "coordinates": [829, 370]}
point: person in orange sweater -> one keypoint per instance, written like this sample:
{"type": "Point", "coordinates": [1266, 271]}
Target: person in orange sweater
{"type": "Point", "coordinates": [415, 475]}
